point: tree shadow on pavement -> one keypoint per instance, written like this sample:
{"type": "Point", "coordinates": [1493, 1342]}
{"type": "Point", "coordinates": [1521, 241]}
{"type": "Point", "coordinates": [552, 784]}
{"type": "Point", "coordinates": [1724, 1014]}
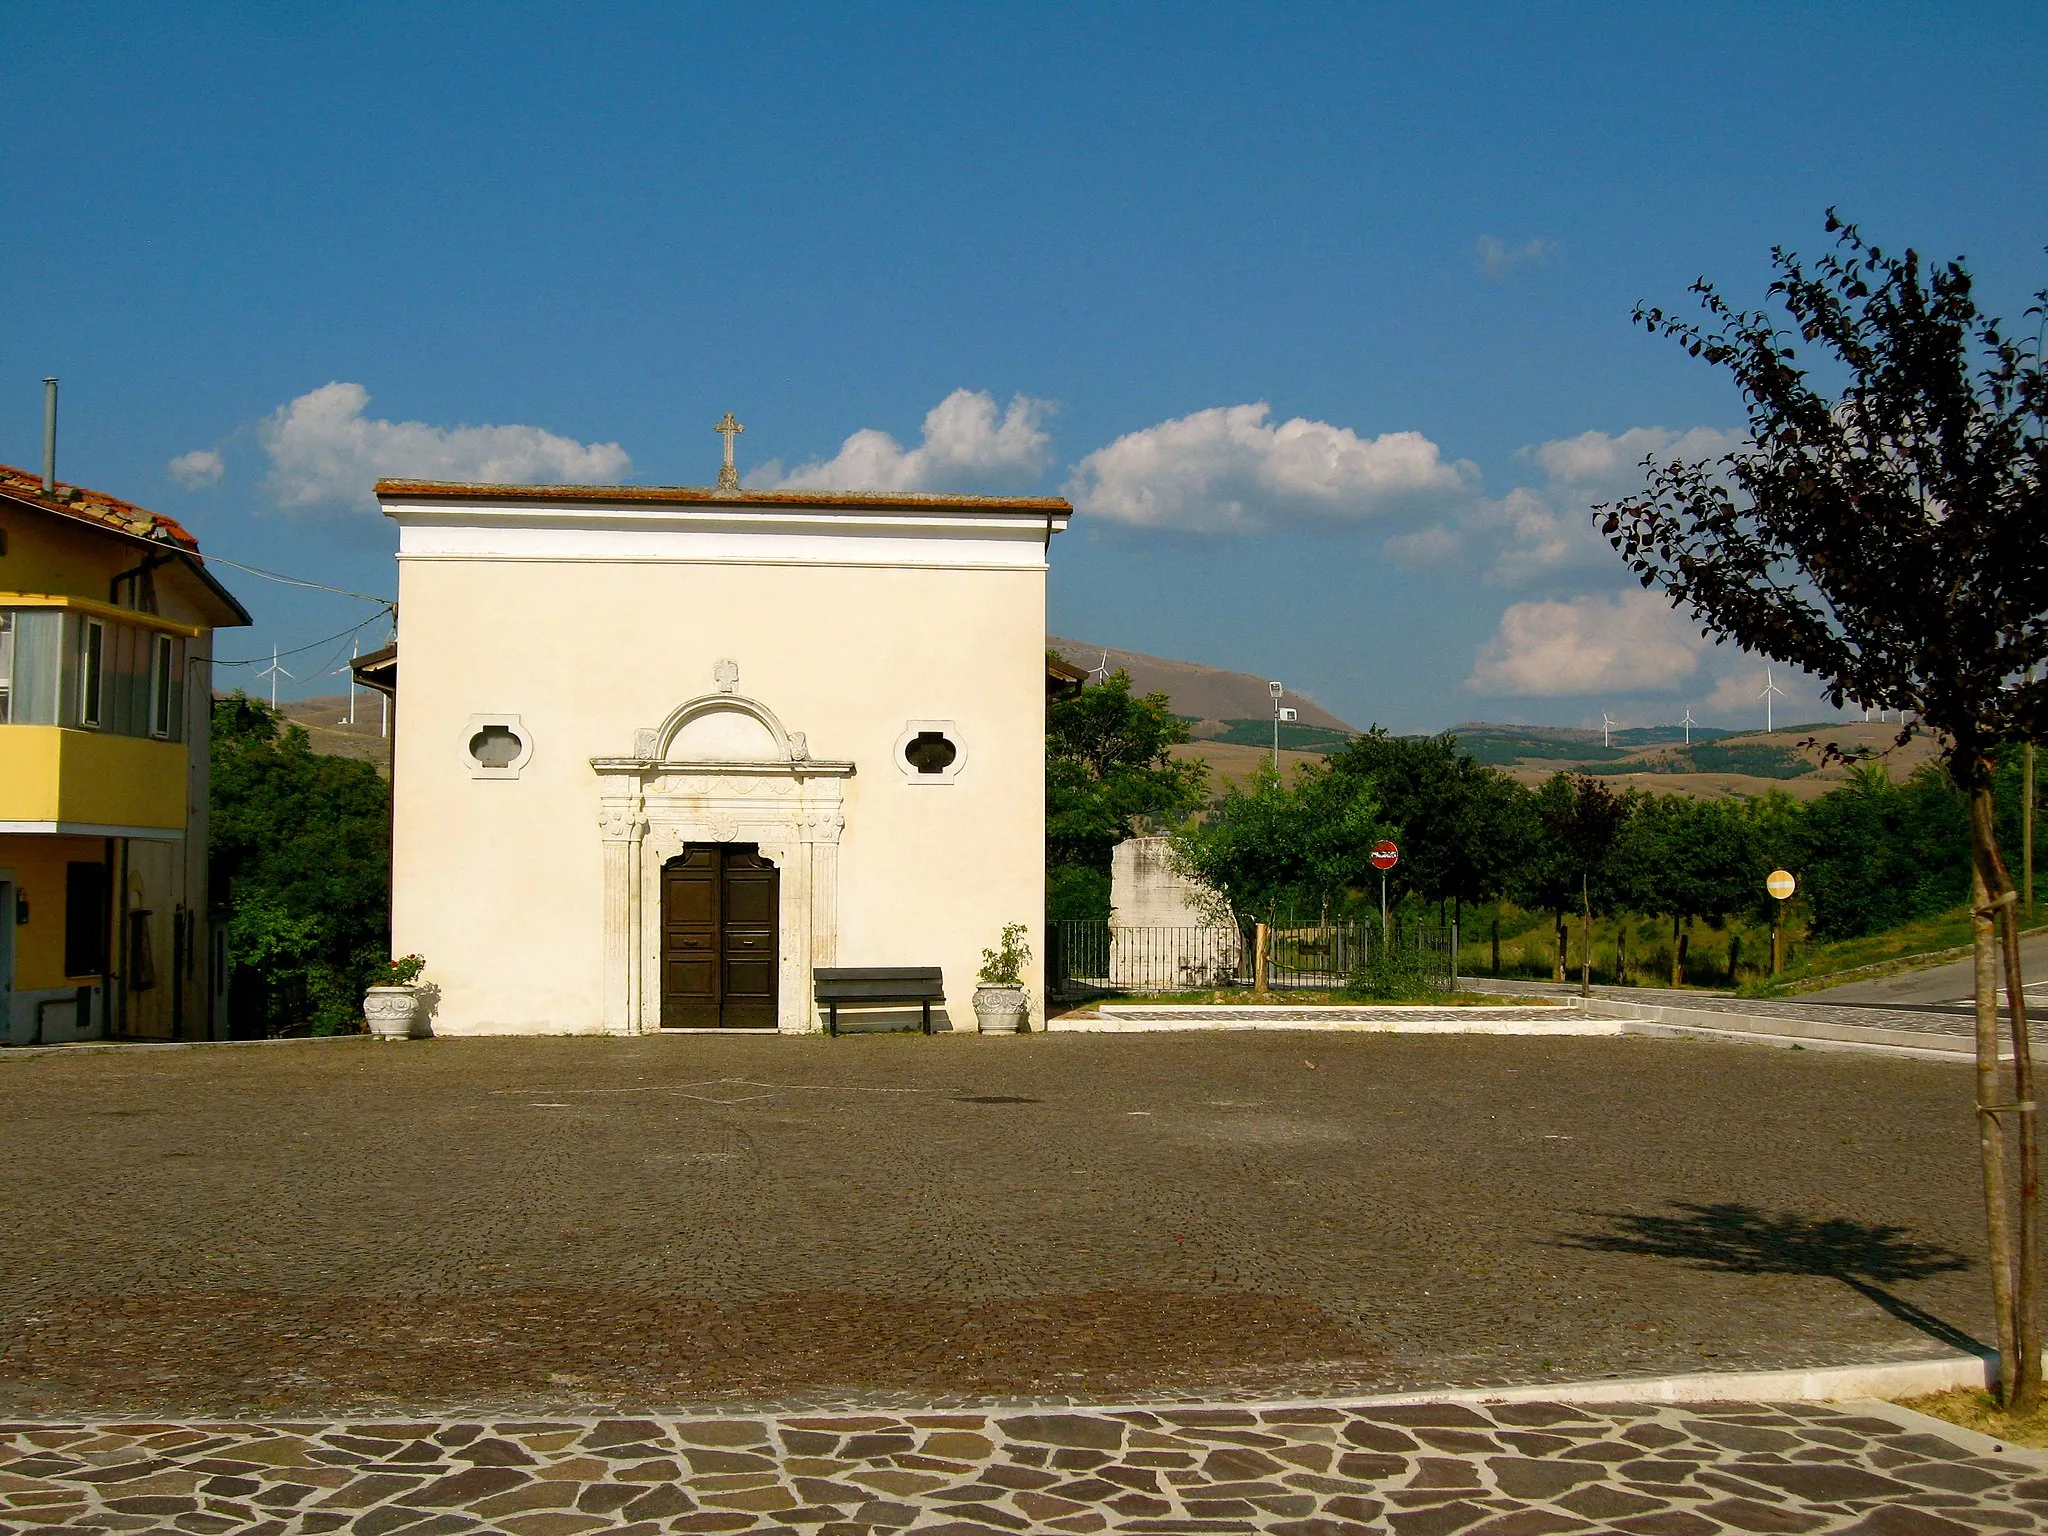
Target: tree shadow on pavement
{"type": "Point", "coordinates": [1740, 1239]}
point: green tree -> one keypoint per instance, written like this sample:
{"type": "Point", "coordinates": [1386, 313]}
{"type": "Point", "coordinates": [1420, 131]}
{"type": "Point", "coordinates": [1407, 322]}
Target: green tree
{"type": "Point", "coordinates": [1462, 827]}
{"type": "Point", "coordinates": [1684, 859]}
{"type": "Point", "coordinates": [1568, 863]}
{"type": "Point", "coordinates": [1880, 528]}
{"type": "Point", "coordinates": [302, 845]}
{"type": "Point", "coordinates": [1877, 854]}
{"type": "Point", "coordinates": [1279, 843]}
{"type": "Point", "coordinates": [1109, 773]}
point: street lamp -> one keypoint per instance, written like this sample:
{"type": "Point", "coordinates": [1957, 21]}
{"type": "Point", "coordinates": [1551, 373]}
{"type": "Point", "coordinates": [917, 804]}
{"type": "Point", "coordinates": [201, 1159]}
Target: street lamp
{"type": "Point", "coordinates": [1279, 714]}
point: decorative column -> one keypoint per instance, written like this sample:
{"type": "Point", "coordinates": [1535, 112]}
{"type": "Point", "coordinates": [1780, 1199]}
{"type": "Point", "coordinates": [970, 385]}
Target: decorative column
{"type": "Point", "coordinates": [620, 827]}
{"type": "Point", "coordinates": [821, 828]}
{"type": "Point", "coordinates": [636, 973]}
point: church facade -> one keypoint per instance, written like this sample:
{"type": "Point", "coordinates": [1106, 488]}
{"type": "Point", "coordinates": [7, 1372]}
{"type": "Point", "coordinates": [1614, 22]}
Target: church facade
{"type": "Point", "coordinates": [660, 752]}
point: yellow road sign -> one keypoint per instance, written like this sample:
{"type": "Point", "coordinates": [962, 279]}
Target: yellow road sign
{"type": "Point", "coordinates": [1781, 884]}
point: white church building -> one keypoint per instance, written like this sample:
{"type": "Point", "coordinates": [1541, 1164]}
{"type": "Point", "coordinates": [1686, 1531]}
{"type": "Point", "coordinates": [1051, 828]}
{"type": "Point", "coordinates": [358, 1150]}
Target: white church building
{"type": "Point", "coordinates": [658, 752]}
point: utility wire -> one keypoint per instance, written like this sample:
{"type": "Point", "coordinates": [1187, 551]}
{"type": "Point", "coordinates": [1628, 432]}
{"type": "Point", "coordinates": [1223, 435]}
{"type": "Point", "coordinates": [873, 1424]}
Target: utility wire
{"type": "Point", "coordinates": [311, 646]}
{"type": "Point", "coordinates": [294, 581]}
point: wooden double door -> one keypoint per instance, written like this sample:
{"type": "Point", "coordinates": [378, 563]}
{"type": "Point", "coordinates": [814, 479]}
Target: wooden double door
{"type": "Point", "coordinates": [719, 903]}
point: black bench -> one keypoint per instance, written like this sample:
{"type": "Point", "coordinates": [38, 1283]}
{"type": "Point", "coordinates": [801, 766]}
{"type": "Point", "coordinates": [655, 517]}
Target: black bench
{"type": "Point", "coordinates": [837, 984]}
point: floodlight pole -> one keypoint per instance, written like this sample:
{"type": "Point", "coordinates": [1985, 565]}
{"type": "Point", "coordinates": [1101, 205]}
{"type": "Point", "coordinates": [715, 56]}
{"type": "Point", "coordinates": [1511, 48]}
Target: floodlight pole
{"type": "Point", "coordinates": [1276, 690]}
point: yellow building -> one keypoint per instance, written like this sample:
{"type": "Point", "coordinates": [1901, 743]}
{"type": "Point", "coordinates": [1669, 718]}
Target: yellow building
{"type": "Point", "coordinates": [107, 617]}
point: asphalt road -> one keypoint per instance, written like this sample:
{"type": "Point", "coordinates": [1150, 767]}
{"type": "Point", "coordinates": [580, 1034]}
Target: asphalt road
{"type": "Point", "coordinates": [1944, 986]}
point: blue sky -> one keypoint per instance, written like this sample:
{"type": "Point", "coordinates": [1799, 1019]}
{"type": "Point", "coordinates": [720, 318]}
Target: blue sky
{"type": "Point", "coordinates": [272, 251]}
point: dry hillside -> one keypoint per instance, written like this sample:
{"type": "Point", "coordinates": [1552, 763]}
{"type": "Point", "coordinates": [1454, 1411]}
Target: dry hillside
{"type": "Point", "coordinates": [326, 722]}
{"type": "Point", "coordinates": [1208, 694]}
{"type": "Point", "coordinates": [1650, 768]}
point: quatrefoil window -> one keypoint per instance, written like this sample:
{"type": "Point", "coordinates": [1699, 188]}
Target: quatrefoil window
{"type": "Point", "coordinates": [931, 752]}
{"type": "Point", "coordinates": [496, 747]}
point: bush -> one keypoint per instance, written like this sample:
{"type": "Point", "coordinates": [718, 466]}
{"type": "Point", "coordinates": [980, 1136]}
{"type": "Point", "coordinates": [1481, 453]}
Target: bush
{"type": "Point", "coordinates": [1392, 974]}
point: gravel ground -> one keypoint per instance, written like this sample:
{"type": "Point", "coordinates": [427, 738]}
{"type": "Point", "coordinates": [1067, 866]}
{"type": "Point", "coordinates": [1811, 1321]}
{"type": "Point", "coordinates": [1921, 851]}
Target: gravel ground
{"type": "Point", "coordinates": [712, 1222]}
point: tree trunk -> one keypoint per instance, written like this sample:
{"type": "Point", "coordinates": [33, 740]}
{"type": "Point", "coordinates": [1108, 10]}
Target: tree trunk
{"type": "Point", "coordinates": [1734, 956]}
{"type": "Point", "coordinates": [1557, 965]}
{"type": "Point", "coordinates": [1621, 952]}
{"type": "Point", "coordinates": [1993, 908]}
{"type": "Point", "coordinates": [1586, 955]}
{"type": "Point", "coordinates": [1496, 948]}
{"type": "Point", "coordinates": [1991, 1130]}
{"type": "Point", "coordinates": [1677, 953]}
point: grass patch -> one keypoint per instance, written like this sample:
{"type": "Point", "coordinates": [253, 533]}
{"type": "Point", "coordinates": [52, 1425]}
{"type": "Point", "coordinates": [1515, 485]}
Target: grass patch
{"type": "Point", "coordinates": [1925, 936]}
{"type": "Point", "coordinates": [1975, 1409]}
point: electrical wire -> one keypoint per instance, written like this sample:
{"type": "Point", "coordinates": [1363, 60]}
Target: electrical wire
{"type": "Point", "coordinates": [293, 581]}
{"type": "Point", "coordinates": [302, 649]}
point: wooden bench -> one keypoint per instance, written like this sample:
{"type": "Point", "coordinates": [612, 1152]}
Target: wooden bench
{"type": "Point", "coordinates": [877, 984]}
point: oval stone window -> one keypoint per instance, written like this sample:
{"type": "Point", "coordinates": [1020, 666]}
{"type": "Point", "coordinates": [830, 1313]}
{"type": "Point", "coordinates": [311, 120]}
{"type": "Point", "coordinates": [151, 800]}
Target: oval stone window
{"type": "Point", "coordinates": [930, 752]}
{"type": "Point", "coordinates": [495, 746]}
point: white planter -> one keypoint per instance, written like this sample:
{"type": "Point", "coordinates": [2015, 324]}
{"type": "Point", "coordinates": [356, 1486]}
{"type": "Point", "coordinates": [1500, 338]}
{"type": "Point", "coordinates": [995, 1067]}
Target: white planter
{"type": "Point", "coordinates": [393, 1013]}
{"type": "Point", "coordinates": [1000, 1010]}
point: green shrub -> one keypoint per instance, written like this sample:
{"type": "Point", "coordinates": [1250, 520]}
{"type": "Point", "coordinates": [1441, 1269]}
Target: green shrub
{"type": "Point", "coordinates": [1396, 975]}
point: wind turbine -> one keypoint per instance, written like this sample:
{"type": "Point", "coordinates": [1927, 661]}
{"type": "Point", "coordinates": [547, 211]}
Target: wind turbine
{"type": "Point", "coordinates": [354, 650]}
{"type": "Point", "coordinates": [1770, 687]}
{"type": "Point", "coordinates": [1101, 668]}
{"type": "Point", "coordinates": [1688, 722]}
{"type": "Point", "coordinates": [1606, 730]}
{"type": "Point", "coordinates": [273, 672]}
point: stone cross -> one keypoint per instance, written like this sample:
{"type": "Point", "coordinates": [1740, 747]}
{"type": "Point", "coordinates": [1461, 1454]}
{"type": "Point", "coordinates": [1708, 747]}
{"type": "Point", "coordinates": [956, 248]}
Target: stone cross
{"type": "Point", "coordinates": [729, 477]}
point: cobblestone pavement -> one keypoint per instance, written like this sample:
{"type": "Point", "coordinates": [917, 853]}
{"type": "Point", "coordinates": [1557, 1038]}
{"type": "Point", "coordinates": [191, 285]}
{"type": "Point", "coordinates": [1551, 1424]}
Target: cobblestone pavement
{"type": "Point", "coordinates": [1425, 1470]}
{"type": "Point", "coordinates": [688, 1224]}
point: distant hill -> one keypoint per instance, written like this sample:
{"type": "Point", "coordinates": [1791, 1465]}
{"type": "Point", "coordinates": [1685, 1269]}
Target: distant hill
{"type": "Point", "coordinates": [326, 722]}
{"type": "Point", "coordinates": [1504, 746]}
{"type": "Point", "coordinates": [1223, 706]}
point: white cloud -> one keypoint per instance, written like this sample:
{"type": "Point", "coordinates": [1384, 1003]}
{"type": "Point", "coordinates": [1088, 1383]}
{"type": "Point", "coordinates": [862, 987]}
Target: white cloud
{"type": "Point", "coordinates": [1535, 537]}
{"type": "Point", "coordinates": [1437, 544]}
{"type": "Point", "coordinates": [1228, 470]}
{"type": "Point", "coordinates": [1741, 695]}
{"type": "Point", "coordinates": [1543, 531]}
{"type": "Point", "coordinates": [325, 452]}
{"type": "Point", "coordinates": [1628, 642]}
{"type": "Point", "coordinates": [967, 445]}
{"type": "Point", "coordinates": [1497, 258]}
{"type": "Point", "coordinates": [197, 470]}
{"type": "Point", "coordinates": [1598, 461]}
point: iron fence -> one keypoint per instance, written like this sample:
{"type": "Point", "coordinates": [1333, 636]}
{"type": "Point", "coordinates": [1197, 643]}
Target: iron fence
{"type": "Point", "coordinates": [1088, 958]}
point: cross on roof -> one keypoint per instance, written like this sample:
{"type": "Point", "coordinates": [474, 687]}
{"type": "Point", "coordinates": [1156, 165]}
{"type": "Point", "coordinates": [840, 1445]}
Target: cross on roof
{"type": "Point", "coordinates": [729, 477]}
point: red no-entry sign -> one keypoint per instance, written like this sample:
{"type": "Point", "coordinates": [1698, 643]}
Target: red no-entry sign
{"type": "Point", "coordinates": [1385, 855]}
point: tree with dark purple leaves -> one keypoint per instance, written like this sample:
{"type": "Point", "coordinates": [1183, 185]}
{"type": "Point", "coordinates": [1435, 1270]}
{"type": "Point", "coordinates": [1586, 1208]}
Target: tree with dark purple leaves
{"type": "Point", "coordinates": [1883, 529]}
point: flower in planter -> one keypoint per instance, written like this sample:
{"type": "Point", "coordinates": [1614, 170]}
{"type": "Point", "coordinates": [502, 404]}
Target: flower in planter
{"type": "Point", "coordinates": [405, 970]}
{"type": "Point", "coordinates": [1004, 965]}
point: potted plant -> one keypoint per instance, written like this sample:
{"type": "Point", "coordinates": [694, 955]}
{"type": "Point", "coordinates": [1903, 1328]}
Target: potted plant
{"type": "Point", "coordinates": [1000, 1003]}
{"type": "Point", "coordinates": [392, 1009]}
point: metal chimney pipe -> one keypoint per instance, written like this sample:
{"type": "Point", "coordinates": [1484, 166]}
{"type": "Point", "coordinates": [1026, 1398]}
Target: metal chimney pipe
{"type": "Point", "coordinates": [49, 436]}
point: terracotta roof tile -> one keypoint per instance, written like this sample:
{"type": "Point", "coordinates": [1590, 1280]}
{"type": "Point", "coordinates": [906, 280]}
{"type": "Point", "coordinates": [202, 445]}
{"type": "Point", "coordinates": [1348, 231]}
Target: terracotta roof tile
{"type": "Point", "coordinates": [95, 507]}
{"type": "Point", "coordinates": [459, 490]}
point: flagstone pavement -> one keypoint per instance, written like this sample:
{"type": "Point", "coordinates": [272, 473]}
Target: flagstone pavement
{"type": "Point", "coordinates": [1420, 1470]}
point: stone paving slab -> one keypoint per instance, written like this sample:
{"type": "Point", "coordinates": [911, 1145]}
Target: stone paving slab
{"type": "Point", "coordinates": [1431, 1469]}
